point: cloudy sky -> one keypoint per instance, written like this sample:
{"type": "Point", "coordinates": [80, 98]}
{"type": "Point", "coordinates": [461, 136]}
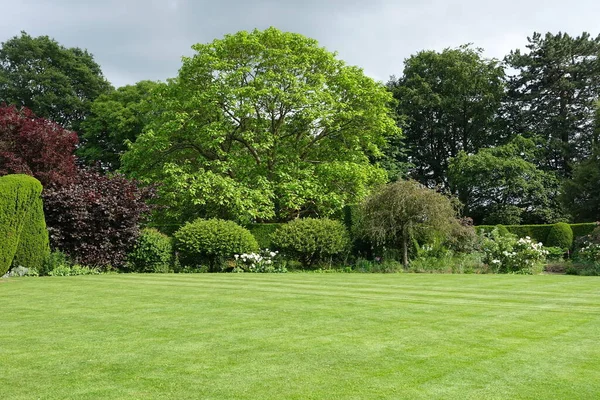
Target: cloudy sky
{"type": "Point", "coordinates": [145, 39]}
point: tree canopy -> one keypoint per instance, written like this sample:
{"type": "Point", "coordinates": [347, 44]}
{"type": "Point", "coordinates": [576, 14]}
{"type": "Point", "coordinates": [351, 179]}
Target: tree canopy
{"type": "Point", "coordinates": [502, 185]}
{"type": "Point", "coordinates": [448, 102]}
{"type": "Point", "coordinates": [55, 82]}
{"type": "Point", "coordinates": [264, 125]}
{"type": "Point", "coordinates": [114, 119]}
{"type": "Point", "coordinates": [553, 95]}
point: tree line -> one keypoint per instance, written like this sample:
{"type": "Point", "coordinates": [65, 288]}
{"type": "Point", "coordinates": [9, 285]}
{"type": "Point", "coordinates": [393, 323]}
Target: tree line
{"type": "Point", "coordinates": [268, 126]}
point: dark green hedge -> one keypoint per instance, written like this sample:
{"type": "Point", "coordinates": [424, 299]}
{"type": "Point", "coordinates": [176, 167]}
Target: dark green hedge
{"type": "Point", "coordinates": [540, 232]}
{"type": "Point", "coordinates": [262, 233]}
{"type": "Point", "coordinates": [23, 234]}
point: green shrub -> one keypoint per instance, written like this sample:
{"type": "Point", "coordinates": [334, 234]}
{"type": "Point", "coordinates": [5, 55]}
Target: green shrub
{"type": "Point", "coordinates": [22, 224]}
{"type": "Point", "coordinates": [580, 230]}
{"type": "Point", "coordinates": [212, 242]}
{"type": "Point", "coordinates": [502, 230]}
{"type": "Point", "coordinates": [153, 252]}
{"type": "Point", "coordinates": [540, 232]}
{"type": "Point", "coordinates": [56, 259]}
{"type": "Point", "coordinates": [75, 270]}
{"type": "Point", "coordinates": [262, 233]}
{"type": "Point", "coordinates": [560, 235]}
{"type": "Point", "coordinates": [312, 240]}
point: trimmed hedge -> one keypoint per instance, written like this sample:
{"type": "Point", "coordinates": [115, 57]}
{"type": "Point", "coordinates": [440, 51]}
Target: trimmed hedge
{"type": "Point", "coordinates": [262, 233]}
{"type": "Point", "coordinates": [312, 240]}
{"type": "Point", "coordinates": [561, 236]}
{"type": "Point", "coordinates": [22, 224]}
{"type": "Point", "coordinates": [540, 233]}
{"type": "Point", "coordinates": [153, 252]}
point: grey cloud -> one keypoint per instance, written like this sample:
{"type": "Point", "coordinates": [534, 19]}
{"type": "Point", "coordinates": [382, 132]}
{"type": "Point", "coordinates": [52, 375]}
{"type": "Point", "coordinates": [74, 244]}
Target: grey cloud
{"type": "Point", "coordinates": [135, 39]}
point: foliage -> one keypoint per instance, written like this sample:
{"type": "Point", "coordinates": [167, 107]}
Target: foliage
{"type": "Point", "coordinates": [450, 262]}
{"type": "Point", "coordinates": [539, 233]}
{"type": "Point", "coordinates": [448, 102]}
{"type": "Point", "coordinates": [35, 146]}
{"type": "Point", "coordinates": [153, 252]}
{"type": "Point", "coordinates": [73, 270]}
{"type": "Point", "coordinates": [22, 226]}
{"type": "Point", "coordinates": [507, 254]}
{"type": "Point", "coordinates": [263, 126]}
{"type": "Point", "coordinates": [55, 82]}
{"type": "Point", "coordinates": [95, 220]}
{"type": "Point", "coordinates": [380, 266]}
{"type": "Point", "coordinates": [212, 242]}
{"type": "Point", "coordinates": [265, 261]}
{"type": "Point", "coordinates": [581, 194]}
{"type": "Point", "coordinates": [503, 184]}
{"type": "Point", "coordinates": [262, 233]}
{"type": "Point", "coordinates": [56, 259]}
{"type": "Point", "coordinates": [311, 240]}
{"type": "Point", "coordinates": [553, 94]}
{"type": "Point", "coordinates": [115, 118]}
{"type": "Point", "coordinates": [398, 212]}
{"type": "Point", "coordinates": [560, 235]}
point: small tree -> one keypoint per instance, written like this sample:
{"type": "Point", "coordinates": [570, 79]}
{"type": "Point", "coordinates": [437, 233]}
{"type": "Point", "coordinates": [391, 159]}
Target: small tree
{"type": "Point", "coordinates": [397, 212]}
{"type": "Point", "coordinates": [95, 220]}
{"type": "Point", "coordinates": [36, 146]}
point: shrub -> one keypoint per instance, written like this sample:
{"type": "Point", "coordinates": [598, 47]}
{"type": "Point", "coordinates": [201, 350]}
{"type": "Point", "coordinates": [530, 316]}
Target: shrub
{"type": "Point", "coordinates": [502, 230]}
{"type": "Point", "coordinates": [75, 270]}
{"type": "Point", "coordinates": [56, 259]}
{"type": "Point", "coordinates": [560, 235]}
{"type": "Point", "coordinates": [22, 226]}
{"type": "Point", "coordinates": [312, 240]}
{"type": "Point", "coordinates": [509, 254]}
{"type": "Point", "coordinates": [212, 242]}
{"type": "Point", "coordinates": [95, 220]}
{"type": "Point", "coordinates": [153, 252]}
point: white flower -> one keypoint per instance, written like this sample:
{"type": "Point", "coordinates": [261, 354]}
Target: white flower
{"type": "Point", "coordinates": [236, 256]}
{"type": "Point", "coordinates": [495, 261]}
{"type": "Point", "coordinates": [272, 254]}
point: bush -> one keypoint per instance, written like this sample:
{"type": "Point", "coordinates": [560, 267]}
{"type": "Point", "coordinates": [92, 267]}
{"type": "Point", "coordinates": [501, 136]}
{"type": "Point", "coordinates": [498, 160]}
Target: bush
{"type": "Point", "coordinates": [55, 260]}
{"type": "Point", "coordinates": [264, 262]}
{"type": "Point", "coordinates": [95, 220]}
{"type": "Point", "coordinates": [502, 230]}
{"type": "Point", "coordinates": [212, 242]}
{"type": "Point", "coordinates": [22, 226]}
{"type": "Point", "coordinates": [507, 254]}
{"type": "Point", "coordinates": [560, 235]}
{"type": "Point", "coordinates": [312, 240]}
{"type": "Point", "coordinates": [75, 270]}
{"type": "Point", "coordinates": [153, 252]}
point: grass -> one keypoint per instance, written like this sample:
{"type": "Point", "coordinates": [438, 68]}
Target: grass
{"type": "Point", "coordinates": [300, 336]}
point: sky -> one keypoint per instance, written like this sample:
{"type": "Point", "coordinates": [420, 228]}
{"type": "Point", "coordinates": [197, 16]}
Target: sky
{"type": "Point", "coordinates": [133, 40]}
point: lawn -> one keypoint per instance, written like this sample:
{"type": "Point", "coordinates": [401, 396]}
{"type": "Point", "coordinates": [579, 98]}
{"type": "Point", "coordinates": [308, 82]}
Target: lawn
{"type": "Point", "coordinates": [300, 336]}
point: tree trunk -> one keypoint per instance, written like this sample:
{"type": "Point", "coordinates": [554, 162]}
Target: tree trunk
{"type": "Point", "coordinates": [405, 250]}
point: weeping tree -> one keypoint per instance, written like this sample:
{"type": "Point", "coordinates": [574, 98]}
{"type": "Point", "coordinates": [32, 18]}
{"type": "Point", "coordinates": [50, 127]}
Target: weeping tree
{"type": "Point", "coordinates": [398, 212]}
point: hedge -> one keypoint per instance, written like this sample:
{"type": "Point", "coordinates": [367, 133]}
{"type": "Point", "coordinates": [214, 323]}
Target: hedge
{"type": "Point", "coordinates": [22, 224]}
{"type": "Point", "coordinates": [540, 233]}
{"type": "Point", "coordinates": [262, 233]}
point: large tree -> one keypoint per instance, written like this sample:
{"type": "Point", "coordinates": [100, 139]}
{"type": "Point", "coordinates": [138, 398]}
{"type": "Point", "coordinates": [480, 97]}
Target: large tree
{"type": "Point", "coordinates": [552, 95]}
{"type": "Point", "coordinates": [115, 118]}
{"type": "Point", "coordinates": [504, 185]}
{"type": "Point", "coordinates": [448, 102]}
{"type": "Point", "coordinates": [580, 195]}
{"type": "Point", "coordinates": [264, 125]}
{"type": "Point", "coordinates": [55, 82]}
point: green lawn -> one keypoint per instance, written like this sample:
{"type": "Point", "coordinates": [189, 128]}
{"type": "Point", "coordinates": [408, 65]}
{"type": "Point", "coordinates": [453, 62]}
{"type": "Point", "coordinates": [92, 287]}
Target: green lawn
{"type": "Point", "coordinates": [300, 336]}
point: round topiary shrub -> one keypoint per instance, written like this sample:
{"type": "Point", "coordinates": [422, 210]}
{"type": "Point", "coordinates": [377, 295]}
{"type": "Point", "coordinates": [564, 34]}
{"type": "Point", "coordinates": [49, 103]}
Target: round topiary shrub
{"type": "Point", "coordinates": [212, 242]}
{"type": "Point", "coordinates": [561, 236]}
{"type": "Point", "coordinates": [312, 240]}
{"type": "Point", "coordinates": [153, 252]}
